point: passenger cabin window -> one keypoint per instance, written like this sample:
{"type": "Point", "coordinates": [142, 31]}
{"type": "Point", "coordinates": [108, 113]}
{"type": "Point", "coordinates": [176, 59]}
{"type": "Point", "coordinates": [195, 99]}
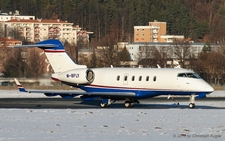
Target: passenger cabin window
{"type": "Point", "coordinates": [118, 78]}
{"type": "Point", "coordinates": [133, 78]}
{"type": "Point", "coordinates": [125, 78]}
{"type": "Point", "coordinates": [154, 78]}
{"type": "Point", "coordinates": [140, 78]}
{"type": "Point", "coordinates": [189, 75]}
{"type": "Point", "coordinates": [147, 78]}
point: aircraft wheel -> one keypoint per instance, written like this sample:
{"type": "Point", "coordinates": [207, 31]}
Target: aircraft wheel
{"type": "Point", "coordinates": [103, 105]}
{"type": "Point", "coordinates": [191, 105]}
{"type": "Point", "coordinates": [128, 104]}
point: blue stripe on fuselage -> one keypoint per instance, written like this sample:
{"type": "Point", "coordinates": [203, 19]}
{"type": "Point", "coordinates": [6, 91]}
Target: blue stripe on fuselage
{"type": "Point", "coordinates": [140, 93]}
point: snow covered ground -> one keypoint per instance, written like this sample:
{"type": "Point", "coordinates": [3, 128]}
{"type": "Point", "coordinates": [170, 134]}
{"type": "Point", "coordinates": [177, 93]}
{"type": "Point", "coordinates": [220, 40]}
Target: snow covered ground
{"type": "Point", "coordinates": [111, 124]}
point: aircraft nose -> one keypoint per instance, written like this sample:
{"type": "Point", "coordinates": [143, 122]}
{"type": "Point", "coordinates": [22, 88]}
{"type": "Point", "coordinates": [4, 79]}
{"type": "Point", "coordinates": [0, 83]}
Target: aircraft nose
{"type": "Point", "coordinates": [209, 89]}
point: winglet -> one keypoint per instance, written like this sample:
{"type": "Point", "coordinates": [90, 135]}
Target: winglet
{"type": "Point", "coordinates": [158, 66]}
{"type": "Point", "coordinates": [20, 87]}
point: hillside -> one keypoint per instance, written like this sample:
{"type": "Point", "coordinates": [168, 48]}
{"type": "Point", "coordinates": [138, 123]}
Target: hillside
{"type": "Point", "coordinates": [201, 20]}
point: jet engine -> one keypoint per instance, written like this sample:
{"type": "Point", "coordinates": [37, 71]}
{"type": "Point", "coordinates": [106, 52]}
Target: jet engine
{"type": "Point", "coordinates": [77, 76]}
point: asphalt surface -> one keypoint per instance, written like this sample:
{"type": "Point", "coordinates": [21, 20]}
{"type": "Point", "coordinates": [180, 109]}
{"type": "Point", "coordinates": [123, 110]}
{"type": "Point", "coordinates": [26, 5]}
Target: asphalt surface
{"type": "Point", "coordinates": [76, 103]}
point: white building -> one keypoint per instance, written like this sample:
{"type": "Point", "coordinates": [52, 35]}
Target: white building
{"type": "Point", "coordinates": [136, 48]}
{"type": "Point", "coordinates": [9, 16]}
{"type": "Point", "coordinates": [170, 38]}
{"type": "Point", "coordinates": [39, 30]}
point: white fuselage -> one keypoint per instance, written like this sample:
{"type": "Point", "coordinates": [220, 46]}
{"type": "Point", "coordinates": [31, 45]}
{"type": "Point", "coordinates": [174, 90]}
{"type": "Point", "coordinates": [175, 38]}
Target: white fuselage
{"type": "Point", "coordinates": [153, 80]}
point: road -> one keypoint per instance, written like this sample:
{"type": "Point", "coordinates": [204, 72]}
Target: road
{"type": "Point", "coordinates": [75, 103]}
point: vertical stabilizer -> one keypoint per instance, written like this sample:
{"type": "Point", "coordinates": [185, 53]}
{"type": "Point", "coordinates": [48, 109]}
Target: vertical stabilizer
{"type": "Point", "coordinates": [56, 55]}
{"type": "Point", "coordinates": [58, 58]}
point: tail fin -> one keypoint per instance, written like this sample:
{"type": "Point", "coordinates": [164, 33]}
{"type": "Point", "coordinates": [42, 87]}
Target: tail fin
{"type": "Point", "coordinates": [55, 52]}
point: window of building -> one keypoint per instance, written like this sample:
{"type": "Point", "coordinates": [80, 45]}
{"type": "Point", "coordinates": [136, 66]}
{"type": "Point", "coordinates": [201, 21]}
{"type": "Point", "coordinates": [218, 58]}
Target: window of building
{"type": "Point", "coordinates": [143, 29]}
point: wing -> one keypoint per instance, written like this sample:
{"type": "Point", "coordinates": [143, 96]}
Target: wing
{"type": "Point", "coordinates": [72, 93]}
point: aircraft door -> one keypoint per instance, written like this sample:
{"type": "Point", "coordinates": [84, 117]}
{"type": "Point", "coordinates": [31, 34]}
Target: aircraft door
{"type": "Point", "coordinates": [125, 79]}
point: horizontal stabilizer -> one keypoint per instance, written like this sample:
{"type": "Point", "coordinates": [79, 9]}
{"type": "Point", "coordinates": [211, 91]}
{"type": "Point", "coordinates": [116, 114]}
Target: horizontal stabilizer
{"type": "Point", "coordinates": [47, 46]}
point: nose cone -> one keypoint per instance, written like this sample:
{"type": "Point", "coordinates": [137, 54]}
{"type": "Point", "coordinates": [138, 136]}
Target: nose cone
{"type": "Point", "coordinates": [209, 89]}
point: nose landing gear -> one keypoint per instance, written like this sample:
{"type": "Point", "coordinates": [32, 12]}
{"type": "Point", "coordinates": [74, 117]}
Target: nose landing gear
{"type": "Point", "coordinates": [192, 101]}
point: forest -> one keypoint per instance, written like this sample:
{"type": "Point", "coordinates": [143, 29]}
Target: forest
{"type": "Point", "coordinates": [200, 20]}
{"type": "Point", "coordinates": [114, 20]}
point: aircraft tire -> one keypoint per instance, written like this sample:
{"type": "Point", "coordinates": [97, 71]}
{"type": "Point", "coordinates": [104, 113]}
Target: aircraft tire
{"type": "Point", "coordinates": [103, 105]}
{"type": "Point", "coordinates": [191, 105]}
{"type": "Point", "coordinates": [128, 104]}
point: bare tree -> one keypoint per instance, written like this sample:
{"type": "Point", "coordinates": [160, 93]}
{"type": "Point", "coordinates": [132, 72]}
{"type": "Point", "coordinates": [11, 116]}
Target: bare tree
{"type": "Point", "coordinates": [211, 65]}
{"type": "Point", "coordinates": [109, 52]}
{"type": "Point", "coordinates": [150, 56]}
{"type": "Point", "coordinates": [14, 65]}
{"type": "Point", "coordinates": [1, 30]}
{"type": "Point", "coordinates": [35, 63]}
{"type": "Point", "coordinates": [71, 50]}
{"type": "Point", "coordinates": [182, 51]}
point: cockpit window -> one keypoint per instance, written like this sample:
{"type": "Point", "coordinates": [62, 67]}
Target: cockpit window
{"type": "Point", "coordinates": [188, 75]}
{"type": "Point", "coordinates": [181, 75]}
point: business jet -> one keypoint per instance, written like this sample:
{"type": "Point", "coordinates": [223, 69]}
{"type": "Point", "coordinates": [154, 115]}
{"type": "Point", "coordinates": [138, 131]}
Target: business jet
{"type": "Point", "coordinates": [113, 84]}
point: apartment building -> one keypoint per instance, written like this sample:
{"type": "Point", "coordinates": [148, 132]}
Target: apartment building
{"type": "Point", "coordinates": [150, 33]}
{"type": "Point", "coordinates": [4, 42]}
{"type": "Point", "coordinates": [39, 30]}
{"type": "Point", "coordinates": [154, 32]}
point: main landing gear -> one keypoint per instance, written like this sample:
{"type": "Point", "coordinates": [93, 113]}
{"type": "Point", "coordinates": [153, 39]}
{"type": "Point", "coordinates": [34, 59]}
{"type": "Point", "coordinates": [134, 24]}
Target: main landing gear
{"type": "Point", "coordinates": [105, 103]}
{"type": "Point", "coordinates": [192, 101]}
{"type": "Point", "coordinates": [128, 103]}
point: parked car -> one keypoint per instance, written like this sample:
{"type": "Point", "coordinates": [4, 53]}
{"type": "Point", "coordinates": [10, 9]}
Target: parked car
{"type": "Point", "coordinates": [5, 83]}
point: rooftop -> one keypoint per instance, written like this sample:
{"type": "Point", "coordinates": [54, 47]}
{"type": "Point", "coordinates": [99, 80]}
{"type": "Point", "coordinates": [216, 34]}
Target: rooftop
{"type": "Point", "coordinates": [37, 21]}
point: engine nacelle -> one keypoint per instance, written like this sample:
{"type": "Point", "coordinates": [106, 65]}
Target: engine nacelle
{"type": "Point", "coordinates": [77, 76]}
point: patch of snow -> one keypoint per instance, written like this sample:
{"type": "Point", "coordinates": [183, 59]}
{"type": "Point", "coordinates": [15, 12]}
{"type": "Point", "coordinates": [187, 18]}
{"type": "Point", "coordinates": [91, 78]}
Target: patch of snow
{"type": "Point", "coordinates": [217, 93]}
{"type": "Point", "coordinates": [17, 94]}
{"type": "Point", "coordinates": [111, 124]}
